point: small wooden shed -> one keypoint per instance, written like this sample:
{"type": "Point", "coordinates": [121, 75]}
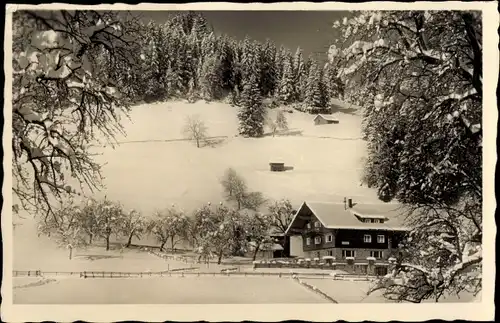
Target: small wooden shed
{"type": "Point", "coordinates": [324, 119]}
{"type": "Point", "coordinates": [277, 166]}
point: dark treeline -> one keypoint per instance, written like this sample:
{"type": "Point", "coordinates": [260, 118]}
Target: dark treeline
{"type": "Point", "coordinates": [184, 58]}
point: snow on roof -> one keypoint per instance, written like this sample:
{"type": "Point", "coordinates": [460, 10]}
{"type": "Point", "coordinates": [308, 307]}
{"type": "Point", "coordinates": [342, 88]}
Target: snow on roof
{"type": "Point", "coordinates": [335, 216]}
{"type": "Point", "coordinates": [276, 160]}
{"type": "Point", "coordinates": [273, 247]}
{"type": "Point", "coordinates": [326, 117]}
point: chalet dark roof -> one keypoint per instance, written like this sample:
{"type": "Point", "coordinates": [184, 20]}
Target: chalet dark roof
{"type": "Point", "coordinates": [336, 216]}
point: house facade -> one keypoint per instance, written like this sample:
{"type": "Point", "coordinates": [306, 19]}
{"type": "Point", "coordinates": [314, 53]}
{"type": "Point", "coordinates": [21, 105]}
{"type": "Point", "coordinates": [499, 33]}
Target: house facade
{"type": "Point", "coordinates": [348, 233]}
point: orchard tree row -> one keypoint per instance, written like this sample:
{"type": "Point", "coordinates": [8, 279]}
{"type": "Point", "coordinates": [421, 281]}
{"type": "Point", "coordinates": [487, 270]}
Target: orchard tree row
{"type": "Point", "coordinates": [236, 227]}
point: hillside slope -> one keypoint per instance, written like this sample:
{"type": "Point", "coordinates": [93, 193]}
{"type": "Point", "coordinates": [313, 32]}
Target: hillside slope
{"type": "Point", "coordinates": [148, 170]}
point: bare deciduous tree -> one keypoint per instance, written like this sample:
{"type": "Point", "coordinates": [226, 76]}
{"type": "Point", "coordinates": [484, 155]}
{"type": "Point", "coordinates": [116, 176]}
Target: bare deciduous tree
{"type": "Point", "coordinates": [237, 191]}
{"type": "Point", "coordinates": [281, 213]}
{"type": "Point", "coordinates": [195, 129]}
{"type": "Point", "coordinates": [64, 227]}
{"type": "Point", "coordinates": [232, 182]}
{"type": "Point", "coordinates": [280, 123]}
{"type": "Point", "coordinates": [132, 225]}
{"type": "Point", "coordinates": [65, 95]}
{"type": "Point", "coordinates": [169, 224]}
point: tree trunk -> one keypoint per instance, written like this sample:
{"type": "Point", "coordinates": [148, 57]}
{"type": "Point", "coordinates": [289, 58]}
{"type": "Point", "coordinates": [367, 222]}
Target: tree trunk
{"type": "Point", "coordinates": [255, 252]}
{"type": "Point", "coordinates": [219, 260]}
{"type": "Point", "coordinates": [197, 142]}
{"type": "Point", "coordinates": [107, 242]}
{"type": "Point", "coordinates": [91, 236]}
{"type": "Point", "coordinates": [161, 246]}
{"type": "Point", "coordinates": [239, 204]}
{"type": "Point", "coordinates": [129, 242]}
{"type": "Point", "coordinates": [172, 244]}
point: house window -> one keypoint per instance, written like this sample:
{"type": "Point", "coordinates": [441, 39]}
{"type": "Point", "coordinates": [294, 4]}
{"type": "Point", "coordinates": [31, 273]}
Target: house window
{"type": "Point", "coordinates": [348, 253]}
{"type": "Point", "coordinates": [317, 224]}
{"type": "Point", "coordinates": [308, 241]}
{"type": "Point", "coordinates": [317, 240]}
{"type": "Point", "coordinates": [330, 253]}
{"type": "Point", "coordinates": [367, 238]}
{"type": "Point", "coordinates": [345, 243]}
{"type": "Point", "coordinates": [376, 254]}
{"type": "Point", "coordinates": [329, 238]}
{"type": "Point", "coordinates": [380, 238]}
{"type": "Point", "coordinates": [308, 225]}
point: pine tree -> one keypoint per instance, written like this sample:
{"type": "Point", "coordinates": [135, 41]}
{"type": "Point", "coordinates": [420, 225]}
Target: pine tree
{"type": "Point", "coordinates": [250, 63]}
{"type": "Point", "coordinates": [334, 85]}
{"type": "Point", "coordinates": [192, 95]}
{"type": "Point", "coordinates": [278, 63]}
{"type": "Point", "coordinates": [286, 86]}
{"type": "Point", "coordinates": [268, 69]}
{"type": "Point", "coordinates": [210, 78]}
{"type": "Point", "coordinates": [315, 91]}
{"type": "Point", "coordinates": [323, 90]}
{"type": "Point", "coordinates": [172, 82]}
{"type": "Point", "coordinates": [299, 75]}
{"type": "Point", "coordinates": [252, 114]}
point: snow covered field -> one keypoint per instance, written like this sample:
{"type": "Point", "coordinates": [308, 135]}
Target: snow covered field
{"type": "Point", "coordinates": [356, 292]}
{"type": "Point", "coordinates": [166, 290]}
{"type": "Point", "coordinates": [152, 169]}
{"type": "Point", "coordinates": [150, 175]}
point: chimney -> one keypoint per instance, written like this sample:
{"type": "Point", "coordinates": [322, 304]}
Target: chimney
{"type": "Point", "coordinates": [349, 203]}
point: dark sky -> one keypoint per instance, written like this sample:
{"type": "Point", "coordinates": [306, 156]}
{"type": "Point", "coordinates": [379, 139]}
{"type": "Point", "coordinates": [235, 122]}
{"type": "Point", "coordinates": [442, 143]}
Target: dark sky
{"type": "Point", "coordinates": [311, 30]}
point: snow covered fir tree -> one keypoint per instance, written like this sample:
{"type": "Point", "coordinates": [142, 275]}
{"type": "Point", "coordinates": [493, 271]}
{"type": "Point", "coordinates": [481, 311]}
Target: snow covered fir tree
{"type": "Point", "coordinates": [399, 96]}
{"type": "Point", "coordinates": [252, 113]}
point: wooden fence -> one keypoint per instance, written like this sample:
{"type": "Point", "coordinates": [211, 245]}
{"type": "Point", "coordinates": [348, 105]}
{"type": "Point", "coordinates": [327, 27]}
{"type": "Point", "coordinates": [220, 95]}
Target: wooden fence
{"type": "Point", "coordinates": [193, 259]}
{"type": "Point", "coordinates": [184, 272]}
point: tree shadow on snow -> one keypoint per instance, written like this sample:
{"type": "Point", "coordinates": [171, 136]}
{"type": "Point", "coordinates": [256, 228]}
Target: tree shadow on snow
{"type": "Point", "coordinates": [213, 142]}
{"type": "Point", "coordinates": [282, 133]}
{"type": "Point", "coordinates": [96, 257]}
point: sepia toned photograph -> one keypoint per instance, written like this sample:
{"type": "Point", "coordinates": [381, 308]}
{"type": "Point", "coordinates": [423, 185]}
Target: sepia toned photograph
{"type": "Point", "coordinates": [219, 156]}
